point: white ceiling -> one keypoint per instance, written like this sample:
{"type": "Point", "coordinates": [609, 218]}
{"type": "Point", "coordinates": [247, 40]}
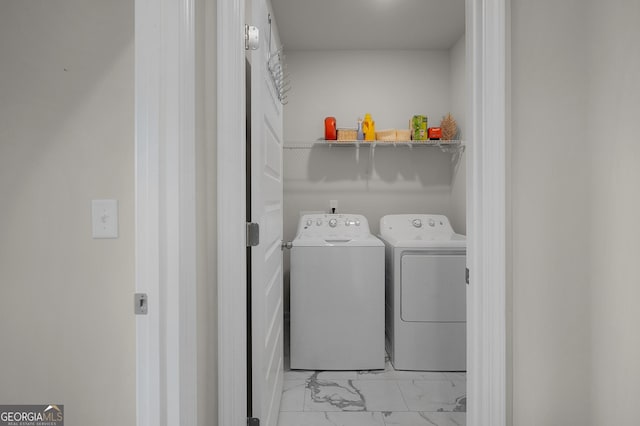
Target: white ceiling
{"type": "Point", "coordinates": [369, 24]}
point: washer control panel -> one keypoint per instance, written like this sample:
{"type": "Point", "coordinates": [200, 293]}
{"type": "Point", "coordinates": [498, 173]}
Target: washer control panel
{"type": "Point", "coordinates": [333, 226]}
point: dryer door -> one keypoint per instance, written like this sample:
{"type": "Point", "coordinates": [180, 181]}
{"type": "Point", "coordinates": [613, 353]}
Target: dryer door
{"type": "Point", "coordinates": [433, 288]}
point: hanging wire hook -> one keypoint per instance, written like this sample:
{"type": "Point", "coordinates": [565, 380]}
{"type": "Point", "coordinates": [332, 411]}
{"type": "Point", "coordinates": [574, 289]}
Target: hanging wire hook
{"type": "Point", "coordinates": [277, 70]}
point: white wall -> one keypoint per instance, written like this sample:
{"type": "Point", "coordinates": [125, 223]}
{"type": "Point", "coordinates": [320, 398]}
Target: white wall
{"type": "Point", "coordinates": [550, 202]}
{"type": "Point", "coordinates": [575, 204]}
{"type": "Point", "coordinates": [389, 180]}
{"type": "Point", "coordinates": [613, 128]}
{"type": "Point", "coordinates": [66, 137]}
{"type": "Point", "coordinates": [391, 85]}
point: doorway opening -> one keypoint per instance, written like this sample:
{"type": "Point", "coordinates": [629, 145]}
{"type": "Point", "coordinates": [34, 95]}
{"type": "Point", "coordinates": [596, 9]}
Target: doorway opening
{"type": "Point", "coordinates": [486, 130]}
{"type": "Point", "coordinates": [392, 80]}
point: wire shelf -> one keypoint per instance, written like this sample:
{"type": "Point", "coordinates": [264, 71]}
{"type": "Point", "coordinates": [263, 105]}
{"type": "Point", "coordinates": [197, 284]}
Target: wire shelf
{"type": "Point", "coordinates": [445, 145]}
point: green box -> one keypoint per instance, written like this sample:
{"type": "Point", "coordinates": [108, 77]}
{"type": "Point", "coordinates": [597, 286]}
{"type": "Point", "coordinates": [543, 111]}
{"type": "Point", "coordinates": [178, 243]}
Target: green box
{"type": "Point", "coordinates": [419, 126]}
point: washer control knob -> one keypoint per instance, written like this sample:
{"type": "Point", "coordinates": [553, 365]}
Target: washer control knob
{"type": "Point", "coordinates": [309, 222]}
{"type": "Point", "coordinates": [432, 223]}
{"type": "Point", "coordinates": [417, 223]}
{"type": "Point", "coordinates": [333, 223]}
{"type": "Point", "coordinates": [319, 222]}
{"type": "Point", "coordinates": [347, 222]}
{"type": "Point", "coordinates": [357, 222]}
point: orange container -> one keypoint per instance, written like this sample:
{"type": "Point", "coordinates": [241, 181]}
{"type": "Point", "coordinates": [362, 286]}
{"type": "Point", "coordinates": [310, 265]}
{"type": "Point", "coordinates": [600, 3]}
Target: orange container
{"type": "Point", "coordinates": [435, 133]}
{"type": "Point", "coordinates": [330, 131]}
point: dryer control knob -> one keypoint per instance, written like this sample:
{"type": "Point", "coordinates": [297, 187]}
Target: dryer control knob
{"type": "Point", "coordinates": [417, 223]}
{"type": "Point", "coordinates": [432, 223]}
{"type": "Point", "coordinates": [309, 222]}
{"type": "Point", "coordinates": [333, 223]}
{"type": "Point", "coordinates": [319, 222]}
{"type": "Point", "coordinates": [357, 222]}
{"type": "Point", "coordinates": [347, 222]}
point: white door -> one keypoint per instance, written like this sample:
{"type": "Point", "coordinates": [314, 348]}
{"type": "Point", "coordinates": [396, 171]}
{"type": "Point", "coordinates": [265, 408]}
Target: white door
{"type": "Point", "coordinates": [266, 210]}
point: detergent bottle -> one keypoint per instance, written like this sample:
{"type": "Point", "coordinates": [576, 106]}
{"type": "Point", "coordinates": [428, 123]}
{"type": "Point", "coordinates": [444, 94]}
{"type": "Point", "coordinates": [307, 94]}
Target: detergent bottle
{"type": "Point", "coordinates": [360, 134]}
{"type": "Point", "coordinates": [330, 131]}
{"type": "Point", "coordinates": [369, 128]}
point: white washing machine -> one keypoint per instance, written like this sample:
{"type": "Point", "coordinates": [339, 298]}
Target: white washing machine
{"type": "Point", "coordinates": [337, 294]}
{"type": "Point", "coordinates": [425, 292]}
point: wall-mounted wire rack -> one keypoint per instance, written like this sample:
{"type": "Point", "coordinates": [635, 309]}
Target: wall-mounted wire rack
{"type": "Point", "coordinates": [277, 70]}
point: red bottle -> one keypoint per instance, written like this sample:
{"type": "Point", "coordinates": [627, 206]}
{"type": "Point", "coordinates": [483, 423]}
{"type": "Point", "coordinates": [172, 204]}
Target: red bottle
{"type": "Point", "coordinates": [330, 132]}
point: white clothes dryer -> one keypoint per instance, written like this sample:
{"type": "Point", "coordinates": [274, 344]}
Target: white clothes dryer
{"type": "Point", "coordinates": [425, 292]}
{"type": "Point", "coordinates": [337, 294]}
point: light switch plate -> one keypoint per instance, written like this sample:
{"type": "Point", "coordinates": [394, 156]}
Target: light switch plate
{"type": "Point", "coordinates": [104, 218]}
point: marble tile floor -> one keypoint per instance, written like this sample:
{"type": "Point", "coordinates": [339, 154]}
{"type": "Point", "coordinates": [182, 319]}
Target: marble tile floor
{"type": "Point", "coordinates": [373, 398]}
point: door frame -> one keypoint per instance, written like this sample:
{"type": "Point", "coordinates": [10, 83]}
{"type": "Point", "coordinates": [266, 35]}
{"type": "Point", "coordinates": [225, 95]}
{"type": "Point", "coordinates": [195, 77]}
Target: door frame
{"type": "Point", "coordinates": [165, 216]}
{"type": "Point", "coordinates": [231, 206]}
{"type": "Point", "coordinates": [487, 23]}
{"type": "Point", "coordinates": [488, 65]}
{"type": "Point", "coordinates": [165, 211]}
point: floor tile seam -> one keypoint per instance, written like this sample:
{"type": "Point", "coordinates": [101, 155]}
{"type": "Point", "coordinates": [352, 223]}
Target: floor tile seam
{"type": "Point", "coordinates": [404, 398]}
{"type": "Point", "coordinates": [378, 416]}
{"type": "Point", "coordinates": [422, 410]}
{"type": "Point", "coordinates": [404, 379]}
{"type": "Point", "coordinates": [386, 380]}
{"type": "Point", "coordinates": [426, 413]}
{"type": "Point", "coordinates": [362, 411]}
{"type": "Point", "coordinates": [407, 410]}
{"type": "Point", "coordinates": [386, 383]}
{"type": "Point", "coordinates": [439, 411]}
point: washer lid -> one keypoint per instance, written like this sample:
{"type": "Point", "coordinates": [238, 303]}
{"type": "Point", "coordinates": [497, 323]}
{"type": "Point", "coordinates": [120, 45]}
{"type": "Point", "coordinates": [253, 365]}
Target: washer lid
{"type": "Point", "coordinates": [336, 241]}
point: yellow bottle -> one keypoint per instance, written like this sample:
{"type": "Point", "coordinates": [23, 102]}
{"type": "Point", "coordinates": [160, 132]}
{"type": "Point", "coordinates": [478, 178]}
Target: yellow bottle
{"type": "Point", "coordinates": [369, 128]}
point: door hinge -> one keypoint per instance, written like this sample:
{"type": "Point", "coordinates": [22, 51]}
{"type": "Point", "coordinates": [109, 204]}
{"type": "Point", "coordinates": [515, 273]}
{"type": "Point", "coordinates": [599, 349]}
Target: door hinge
{"type": "Point", "coordinates": [251, 37]}
{"type": "Point", "coordinates": [286, 245]}
{"type": "Point", "coordinates": [140, 305]}
{"type": "Point", "coordinates": [466, 275]}
{"type": "Point", "coordinates": [253, 234]}
{"type": "Point", "coordinates": [253, 421]}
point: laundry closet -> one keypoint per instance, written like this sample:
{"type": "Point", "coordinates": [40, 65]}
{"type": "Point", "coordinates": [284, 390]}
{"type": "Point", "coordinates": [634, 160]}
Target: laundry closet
{"type": "Point", "coordinates": [346, 78]}
{"type": "Point", "coordinates": [337, 62]}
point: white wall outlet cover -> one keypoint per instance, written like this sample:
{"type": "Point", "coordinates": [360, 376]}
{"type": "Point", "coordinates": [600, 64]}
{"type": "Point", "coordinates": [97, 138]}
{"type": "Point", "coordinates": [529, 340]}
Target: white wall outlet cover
{"type": "Point", "coordinates": [104, 218]}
